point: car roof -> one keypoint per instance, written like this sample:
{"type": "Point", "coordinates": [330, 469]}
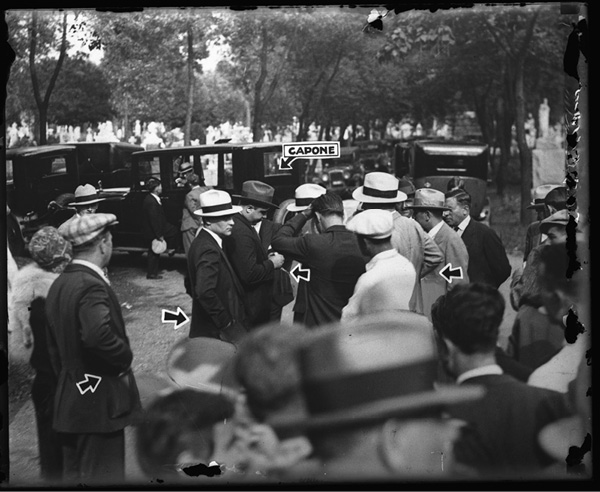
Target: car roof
{"type": "Point", "coordinates": [209, 148]}
{"type": "Point", "coordinates": [124, 145]}
{"type": "Point", "coordinates": [452, 147]}
{"type": "Point", "coordinates": [39, 149]}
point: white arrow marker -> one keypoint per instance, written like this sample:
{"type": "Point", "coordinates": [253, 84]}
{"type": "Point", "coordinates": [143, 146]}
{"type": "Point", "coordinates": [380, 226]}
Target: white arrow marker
{"type": "Point", "coordinates": [448, 273]}
{"type": "Point", "coordinates": [87, 385]}
{"type": "Point", "coordinates": [300, 273]}
{"type": "Point", "coordinates": [179, 317]}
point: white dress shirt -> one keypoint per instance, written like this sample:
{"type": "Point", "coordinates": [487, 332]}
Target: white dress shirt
{"type": "Point", "coordinates": [216, 236]}
{"type": "Point", "coordinates": [463, 225]}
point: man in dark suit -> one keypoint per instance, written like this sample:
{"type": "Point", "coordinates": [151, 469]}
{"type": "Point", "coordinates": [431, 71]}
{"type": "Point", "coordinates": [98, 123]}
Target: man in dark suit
{"type": "Point", "coordinates": [253, 264]}
{"type": "Point", "coordinates": [190, 223]}
{"type": "Point", "coordinates": [332, 257]}
{"type": "Point", "coordinates": [506, 422]}
{"type": "Point", "coordinates": [217, 306]}
{"type": "Point", "coordinates": [488, 262]}
{"type": "Point", "coordinates": [97, 395]}
{"type": "Point", "coordinates": [155, 226]}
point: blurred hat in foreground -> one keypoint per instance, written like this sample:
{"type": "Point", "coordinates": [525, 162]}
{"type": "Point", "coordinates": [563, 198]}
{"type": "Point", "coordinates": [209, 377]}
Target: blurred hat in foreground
{"type": "Point", "coordinates": [383, 367]}
{"type": "Point", "coordinates": [203, 363]}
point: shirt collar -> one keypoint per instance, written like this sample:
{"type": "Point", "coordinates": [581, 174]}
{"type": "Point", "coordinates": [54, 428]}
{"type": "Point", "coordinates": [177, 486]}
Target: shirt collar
{"type": "Point", "coordinates": [216, 237]}
{"type": "Point", "coordinates": [384, 255]}
{"type": "Point", "coordinates": [92, 266]}
{"type": "Point", "coordinates": [157, 198]}
{"type": "Point", "coordinates": [435, 229]}
{"type": "Point", "coordinates": [479, 371]}
{"type": "Point", "coordinates": [257, 226]}
{"type": "Point", "coordinates": [463, 225]}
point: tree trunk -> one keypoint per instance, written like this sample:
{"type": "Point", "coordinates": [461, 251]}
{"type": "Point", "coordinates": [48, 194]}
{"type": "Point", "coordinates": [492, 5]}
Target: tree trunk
{"type": "Point", "coordinates": [126, 129]}
{"type": "Point", "coordinates": [190, 87]}
{"type": "Point", "coordinates": [524, 151]}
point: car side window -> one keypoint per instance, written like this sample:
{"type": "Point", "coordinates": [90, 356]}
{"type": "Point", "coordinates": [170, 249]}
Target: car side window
{"type": "Point", "coordinates": [210, 167]}
{"type": "Point", "coordinates": [271, 164]}
{"type": "Point", "coordinates": [149, 168]}
{"type": "Point", "coordinates": [58, 165]}
{"type": "Point", "coordinates": [9, 171]}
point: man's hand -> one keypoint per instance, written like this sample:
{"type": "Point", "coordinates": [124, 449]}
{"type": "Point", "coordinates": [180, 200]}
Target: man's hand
{"type": "Point", "coordinates": [309, 212]}
{"type": "Point", "coordinates": [276, 259]}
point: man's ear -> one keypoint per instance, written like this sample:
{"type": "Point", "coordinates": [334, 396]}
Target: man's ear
{"type": "Point", "coordinates": [390, 445]}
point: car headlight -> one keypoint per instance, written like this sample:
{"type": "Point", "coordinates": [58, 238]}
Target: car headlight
{"type": "Point", "coordinates": [325, 177]}
{"type": "Point", "coordinates": [346, 175]}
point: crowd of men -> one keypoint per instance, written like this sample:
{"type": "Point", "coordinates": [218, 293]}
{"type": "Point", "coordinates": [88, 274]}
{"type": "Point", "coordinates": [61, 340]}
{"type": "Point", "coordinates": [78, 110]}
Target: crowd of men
{"type": "Point", "coordinates": [391, 370]}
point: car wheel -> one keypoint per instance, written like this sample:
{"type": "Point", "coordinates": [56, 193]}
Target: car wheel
{"type": "Point", "coordinates": [282, 214]}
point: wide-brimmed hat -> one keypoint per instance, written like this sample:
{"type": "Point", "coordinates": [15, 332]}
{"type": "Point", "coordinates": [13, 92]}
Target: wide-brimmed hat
{"type": "Point", "coordinates": [540, 193]}
{"type": "Point", "coordinates": [84, 228]}
{"type": "Point", "coordinates": [429, 198]}
{"type": "Point", "coordinates": [406, 186]}
{"type": "Point", "coordinates": [304, 195]}
{"type": "Point", "coordinates": [374, 224]}
{"type": "Point", "coordinates": [86, 195]}
{"type": "Point", "coordinates": [203, 363]}
{"type": "Point", "coordinates": [257, 193]}
{"type": "Point", "coordinates": [560, 218]}
{"type": "Point", "coordinates": [216, 203]}
{"type": "Point", "coordinates": [381, 367]}
{"type": "Point", "coordinates": [50, 250]}
{"type": "Point", "coordinates": [379, 188]}
{"type": "Point", "coordinates": [185, 167]}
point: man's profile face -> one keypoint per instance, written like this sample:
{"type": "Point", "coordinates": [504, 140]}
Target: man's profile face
{"type": "Point", "coordinates": [456, 214]}
{"type": "Point", "coordinates": [557, 234]}
{"type": "Point", "coordinates": [88, 209]}
{"type": "Point", "coordinates": [255, 214]}
{"type": "Point", "coordinates": [421, 216]}
{"type": "Point", "coordinates": [221, 226]}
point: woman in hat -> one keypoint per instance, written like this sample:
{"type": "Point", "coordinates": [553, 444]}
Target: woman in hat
{"type": "Point", "coordinates": [51, 254]}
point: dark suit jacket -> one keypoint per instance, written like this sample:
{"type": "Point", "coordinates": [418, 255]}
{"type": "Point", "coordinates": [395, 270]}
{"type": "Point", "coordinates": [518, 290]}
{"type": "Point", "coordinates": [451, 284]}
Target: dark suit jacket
{"type": "Point", "coordinates": [154, 220]}
{"type": "Point", "coordinates": [488, 262]}
{"type": "Point", "coordinates": [250, 260]}
{"type": "Point", "coordinates": [217, 293]}
{"type": "Point", "coordinates": [506, 423]}
{"type": "Point", "coordinates": [87, 336]}
{"type": "Point", "coordinates": [335, 264]}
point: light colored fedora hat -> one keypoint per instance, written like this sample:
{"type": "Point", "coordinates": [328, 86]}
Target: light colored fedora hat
{"type": "Point", "coordinates": [429, 198]}
{"type": "Point", "coordinates": [304, 195]}
{"type": "Point", "coordinates": [216, 203]}
{"type": "Point", "coordinates": [379, 188]}
{"type": "Point", "coordinates": [382, 367]}
{"type": "Point", "coordinates": [374, 224]}
{"type": "Point", "coordinates": [540, 193]}
{"type": "Point", "coordinates": [86, 195]}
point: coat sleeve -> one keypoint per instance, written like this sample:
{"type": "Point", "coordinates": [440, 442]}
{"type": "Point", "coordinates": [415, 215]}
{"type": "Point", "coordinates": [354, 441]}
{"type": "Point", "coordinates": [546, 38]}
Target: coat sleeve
{"type": "Point", "coordinates": [285, 242]}
{"type": "Point", "coordinates": [207, 267]}
{"type": "Point", "coordinates": [432, 256]}
{"type": "Point", "coordinates": [496, 256]}
{"type": "Point", "coordinates": [97, 333]}
{"type": "Point", "coordinates": [241, 249]}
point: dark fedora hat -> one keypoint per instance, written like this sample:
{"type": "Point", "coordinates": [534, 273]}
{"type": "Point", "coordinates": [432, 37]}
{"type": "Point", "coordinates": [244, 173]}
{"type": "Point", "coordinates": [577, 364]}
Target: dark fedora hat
{"type": "Point", "coordinates": [257, 193]}
{"type": "Point", "coordinates": [381, 367]}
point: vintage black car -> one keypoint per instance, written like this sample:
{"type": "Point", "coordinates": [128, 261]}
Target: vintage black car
{"type": "Point", "coordinates": [223, 166]}
{"type": "Point", "coordinates": [439, 164]}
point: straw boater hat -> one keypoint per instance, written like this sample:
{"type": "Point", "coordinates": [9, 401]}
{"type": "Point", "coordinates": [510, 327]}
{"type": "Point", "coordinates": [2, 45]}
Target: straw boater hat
{"type": "Point", "coordinates": [185, 167]}
{"type": "Point", "coordinates": [430, 199]}
{"type": "Point", "coordinates": [84, 228]}
{"type": "Point", "coordinates": [379, 188]}
{"type": "Point", "coordinates": [372, 224]}
{"type": "Point", "coordinates": [216, 203]}
{"type": "Point", "coordinates": [86, 195]}
{"type": "Point", "coordinates": [383, 367]}
{"type": "Point", "coordinates": [540, 193]}
{"type": "Point", "coordinates": [257, 193]}
{"type": "Point", "coordinates": [304, 195]}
